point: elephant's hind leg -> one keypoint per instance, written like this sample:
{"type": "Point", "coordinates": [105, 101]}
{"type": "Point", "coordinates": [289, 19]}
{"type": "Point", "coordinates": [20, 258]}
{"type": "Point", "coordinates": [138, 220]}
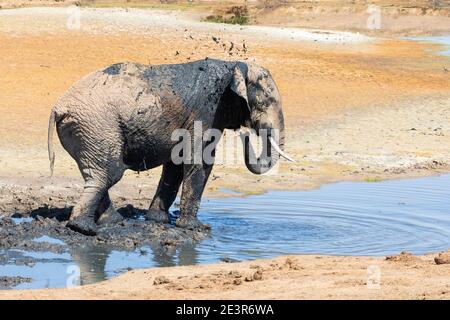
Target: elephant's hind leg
{"type": "Point", "coordinates": [106, 213]}
{"type": "Point", "coordinates": [83, 214]}
{"type": "Point", "coordinates": [95, 200]}
{"type": "Point", "coordinates": [95, 143]}
{"type": "Point", "coordinates": [168, 186]}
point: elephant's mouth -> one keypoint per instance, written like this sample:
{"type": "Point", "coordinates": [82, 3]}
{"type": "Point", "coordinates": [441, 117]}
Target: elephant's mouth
{"type": "Point", "coordinates": [270, 153]}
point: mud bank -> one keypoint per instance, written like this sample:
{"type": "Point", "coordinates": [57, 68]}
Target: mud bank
{"type": "Point", "coordinates": [294, 277]}
{"type": "Point", "coordinates": [130, 233]}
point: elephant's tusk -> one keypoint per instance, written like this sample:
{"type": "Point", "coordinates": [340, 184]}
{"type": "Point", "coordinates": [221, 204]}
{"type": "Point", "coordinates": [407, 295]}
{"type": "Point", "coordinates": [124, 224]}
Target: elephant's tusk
{"type": "Point", "coordinates": [280, 152]}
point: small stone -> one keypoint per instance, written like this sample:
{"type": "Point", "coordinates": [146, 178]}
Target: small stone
{"type": "Point", "coordinates": [129, 243]}
{"type": "Point", "coordinates": [442, 258]}
{"type": "Point", "coordinates": [160, 280]}
{"type": "Point", "coordinates": [169, 242]}
{"type": "Point", "coordinates": [257, 275]}
{"type": "Point", "coordinates": [228, 260]}
{"type": "Point", "coordinates": [292, 264]}
{"type": "Point", "coordinates": [235, 274]}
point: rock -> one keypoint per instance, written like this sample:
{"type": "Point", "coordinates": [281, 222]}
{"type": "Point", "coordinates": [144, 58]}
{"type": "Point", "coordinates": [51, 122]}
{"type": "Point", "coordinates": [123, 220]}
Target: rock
{"type": "Point", "coordinates": [292, 264]}
{"type": "Point", "coordinates": [442, 258]}
{"type": "Point", "coordinates": [403, 257]}
{"type": "Point", "coordinates": [160, 280]}
{"type": "Point", "coordinates": [228, 260]}
{"type": "Point", "coordinates": [235, 274]}
{"type": "Point", "coordinates": [258, 275]}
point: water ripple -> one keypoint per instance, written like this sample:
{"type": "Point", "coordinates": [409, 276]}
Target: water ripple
{"type": "Point", "coordinates": [343, 219]}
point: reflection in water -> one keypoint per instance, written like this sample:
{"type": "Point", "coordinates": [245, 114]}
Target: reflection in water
{"type": "Point", "coordinates": [100, 262]}
{"type": "Point", "coordinates": [343, 219]}
{"type": "Point", "coordinates": [91, 259]}
{"type": "Point", "coordinates": [187, 254]}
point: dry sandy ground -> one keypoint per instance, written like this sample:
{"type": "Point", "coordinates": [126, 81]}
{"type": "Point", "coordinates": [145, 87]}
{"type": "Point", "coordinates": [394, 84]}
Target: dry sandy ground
{"type": "Point", "coordinates": [295, 277]}
{"type": "Point", "coordinates": [350, 102]}
{"type": "Point", "coordinates": [405, 17]}
{"type": "Point", "coordinates": [356, 108]}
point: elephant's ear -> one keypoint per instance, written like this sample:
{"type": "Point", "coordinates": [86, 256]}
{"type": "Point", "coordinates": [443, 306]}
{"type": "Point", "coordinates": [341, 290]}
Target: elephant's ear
{"type": "Point", "coordinates": [238, 84]}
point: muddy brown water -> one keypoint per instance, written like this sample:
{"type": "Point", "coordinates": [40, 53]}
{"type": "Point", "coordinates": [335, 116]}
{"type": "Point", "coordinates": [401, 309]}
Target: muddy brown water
{"type": "Point", "coordinates": [377, 218]}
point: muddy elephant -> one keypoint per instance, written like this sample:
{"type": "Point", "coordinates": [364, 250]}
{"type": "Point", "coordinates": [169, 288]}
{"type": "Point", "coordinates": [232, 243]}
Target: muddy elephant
{"type": "Point", "coordinates": [123, 117]}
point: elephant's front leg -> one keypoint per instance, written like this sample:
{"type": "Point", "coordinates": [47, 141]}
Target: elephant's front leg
{"type": "Point", "coordinates": [195, 178]}
{"type": "Point", "coordinates": [171, 178]}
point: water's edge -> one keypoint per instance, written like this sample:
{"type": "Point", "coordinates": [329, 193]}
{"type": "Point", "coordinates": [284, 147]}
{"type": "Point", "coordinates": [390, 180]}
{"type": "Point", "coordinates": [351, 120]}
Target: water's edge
{"type": "Point", "coordinates": [443, 41]}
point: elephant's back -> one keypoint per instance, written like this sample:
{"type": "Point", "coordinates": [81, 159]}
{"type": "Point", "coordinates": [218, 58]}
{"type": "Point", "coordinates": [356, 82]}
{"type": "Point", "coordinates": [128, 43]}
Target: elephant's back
{"type": "Point", "coordinates": [111, 89]}
{"type": "Point", "coordinates": [93, 107]}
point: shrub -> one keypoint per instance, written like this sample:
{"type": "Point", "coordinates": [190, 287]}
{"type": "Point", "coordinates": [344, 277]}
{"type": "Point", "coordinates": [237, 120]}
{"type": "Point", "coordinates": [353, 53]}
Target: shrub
{"type": "Point", "coordinates": [234, 15]}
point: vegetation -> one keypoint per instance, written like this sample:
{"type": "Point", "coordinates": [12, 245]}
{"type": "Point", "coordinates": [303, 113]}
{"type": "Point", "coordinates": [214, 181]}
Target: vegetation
{"type": "Point", "coordinates": [234, 15]}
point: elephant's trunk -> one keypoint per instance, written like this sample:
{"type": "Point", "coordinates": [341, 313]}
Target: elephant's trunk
{"type": "Point", "coordinates": [271, 151]}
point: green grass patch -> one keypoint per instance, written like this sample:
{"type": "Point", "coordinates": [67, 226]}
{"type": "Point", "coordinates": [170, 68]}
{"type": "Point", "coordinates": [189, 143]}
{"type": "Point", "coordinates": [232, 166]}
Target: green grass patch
{"type": "Point", "coordinates": [242, 20]}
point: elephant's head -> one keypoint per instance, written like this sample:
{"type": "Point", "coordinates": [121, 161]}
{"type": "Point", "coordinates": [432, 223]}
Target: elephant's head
{"type": "Point", "coordinates": [254, 96]}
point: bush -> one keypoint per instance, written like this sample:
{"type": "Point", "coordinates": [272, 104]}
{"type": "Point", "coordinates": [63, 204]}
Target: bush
{"type": "Point", "coordinates": [234, 15]}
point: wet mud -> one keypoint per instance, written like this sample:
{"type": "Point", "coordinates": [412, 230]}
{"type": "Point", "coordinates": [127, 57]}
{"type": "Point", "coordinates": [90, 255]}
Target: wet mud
{"type": "Point", "coordinates": [9, 282]}
{"type": "Point", "coordinates": [30, 211]}
{"type": "Point", "coordinates": [21, 231]}
{"type": "Point", "coordinates": [37, 224]}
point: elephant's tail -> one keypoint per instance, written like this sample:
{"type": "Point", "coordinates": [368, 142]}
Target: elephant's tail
{"type": "Point", "coordinates": [51, 129]}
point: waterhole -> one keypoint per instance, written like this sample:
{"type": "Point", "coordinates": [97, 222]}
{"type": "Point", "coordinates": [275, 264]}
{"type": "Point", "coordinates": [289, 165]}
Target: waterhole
{"type": "Point", "coordinates": [348, 218]}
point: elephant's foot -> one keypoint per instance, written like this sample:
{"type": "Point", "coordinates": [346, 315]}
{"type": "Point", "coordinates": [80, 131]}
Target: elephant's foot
{"type": "Point", "coordinates": [83, 224]}
{"type": "Point", "coordinates": [110, 216]}
{"type": "Point", "coordinates": [191, 223]}
{"type": "Point", "coordinates": [157, 216]}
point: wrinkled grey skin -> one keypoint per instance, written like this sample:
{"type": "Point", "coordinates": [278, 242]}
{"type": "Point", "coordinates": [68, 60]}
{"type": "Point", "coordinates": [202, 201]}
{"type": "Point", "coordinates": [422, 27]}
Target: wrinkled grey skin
{"type": "Point", "coordinates": [122, 117]}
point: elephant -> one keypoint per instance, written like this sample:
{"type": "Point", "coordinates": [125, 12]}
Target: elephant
{"type": "Point", "coordinates": [122, 116]}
